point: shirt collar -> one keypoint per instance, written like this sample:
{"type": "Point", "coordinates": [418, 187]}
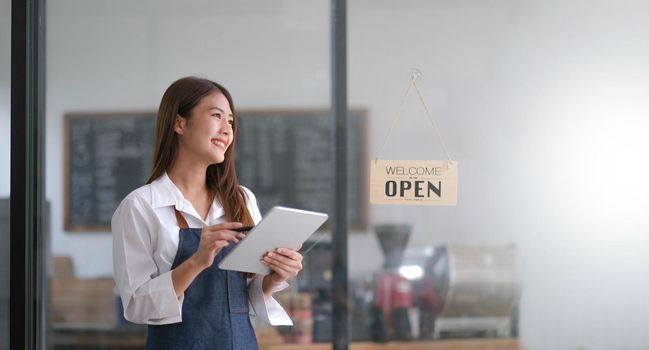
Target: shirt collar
{"type": "Point", "coordinates": [165, 193]}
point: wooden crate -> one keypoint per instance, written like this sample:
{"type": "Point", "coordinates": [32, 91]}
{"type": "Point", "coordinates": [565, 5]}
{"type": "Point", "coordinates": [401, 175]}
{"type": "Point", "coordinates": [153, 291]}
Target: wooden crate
{"type": "Point", "coordinates": [83, 301]}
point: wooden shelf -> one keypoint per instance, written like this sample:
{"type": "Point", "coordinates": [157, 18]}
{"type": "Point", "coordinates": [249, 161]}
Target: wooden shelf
{"type": "Point", "coordinates": [473, 344]}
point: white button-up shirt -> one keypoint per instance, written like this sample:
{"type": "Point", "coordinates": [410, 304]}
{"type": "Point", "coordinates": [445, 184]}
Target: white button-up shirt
{"type": "Point", "coordinates": [145, 241]}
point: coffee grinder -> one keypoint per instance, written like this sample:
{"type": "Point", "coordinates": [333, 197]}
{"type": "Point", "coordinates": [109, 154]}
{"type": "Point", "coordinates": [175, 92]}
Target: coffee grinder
{"type": "Point", "coordinates": [393, 292]}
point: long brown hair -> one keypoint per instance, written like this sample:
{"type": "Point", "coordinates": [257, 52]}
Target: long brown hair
{"type": "Point", "coordinates": [221, 179]}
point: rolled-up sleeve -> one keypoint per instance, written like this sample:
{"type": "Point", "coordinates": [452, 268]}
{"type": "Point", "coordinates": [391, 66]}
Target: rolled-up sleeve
{"type": "Point", "coordinates": [148, 296]}
{"type": "Point", "coordinates": [269, 310]}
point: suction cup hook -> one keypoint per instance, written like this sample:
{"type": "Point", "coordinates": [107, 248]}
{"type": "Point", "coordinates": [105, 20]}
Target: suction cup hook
{"type": "Point", "coordinates": [415, 74]}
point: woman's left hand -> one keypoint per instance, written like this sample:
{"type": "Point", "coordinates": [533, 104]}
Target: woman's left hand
{"type": "Point", "coordinates": [285, 263]}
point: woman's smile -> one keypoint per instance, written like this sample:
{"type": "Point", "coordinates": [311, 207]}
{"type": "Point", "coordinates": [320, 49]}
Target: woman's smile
{"type": "Point", "coordinates": [219, 143]}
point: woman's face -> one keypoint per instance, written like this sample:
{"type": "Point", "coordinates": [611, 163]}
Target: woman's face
{"type": "Point", "coordinates": [207, 133]}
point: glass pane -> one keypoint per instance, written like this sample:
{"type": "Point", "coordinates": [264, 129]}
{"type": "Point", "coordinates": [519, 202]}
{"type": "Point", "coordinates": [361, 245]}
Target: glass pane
{"type": "Point", "coordinates": [5, 166]}
{"type": "Point", "coordinates": [108, 65]}
{"type": "Point", "coordinates": [543, 105]}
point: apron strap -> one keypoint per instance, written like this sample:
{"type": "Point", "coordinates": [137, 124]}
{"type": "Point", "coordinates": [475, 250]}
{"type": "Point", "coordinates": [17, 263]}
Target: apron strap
{"type": "Point", "coordinates": [182, 223]}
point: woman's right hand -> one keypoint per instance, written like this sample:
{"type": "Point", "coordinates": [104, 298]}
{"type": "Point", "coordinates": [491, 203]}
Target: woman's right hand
{"type": "Point", "coordinates": [213, 239]}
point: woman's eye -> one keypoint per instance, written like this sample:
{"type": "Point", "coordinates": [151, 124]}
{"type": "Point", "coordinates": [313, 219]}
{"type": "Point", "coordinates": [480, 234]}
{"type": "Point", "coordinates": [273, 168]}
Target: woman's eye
{"type": "Point", "coordinates": [231, 121]}
{"type": "Point", "coordinates": [218, 115]}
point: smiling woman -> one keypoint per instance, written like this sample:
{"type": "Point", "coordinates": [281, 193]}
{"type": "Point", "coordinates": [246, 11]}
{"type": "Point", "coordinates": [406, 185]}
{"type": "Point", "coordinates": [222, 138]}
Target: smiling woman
{"type": "Point", "coordinates": [170, 234]}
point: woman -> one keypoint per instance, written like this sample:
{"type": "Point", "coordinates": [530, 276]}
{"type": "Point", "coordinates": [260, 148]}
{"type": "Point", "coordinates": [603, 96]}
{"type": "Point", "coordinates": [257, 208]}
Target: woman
{"type": "Point", "coordinates": [169, 235]}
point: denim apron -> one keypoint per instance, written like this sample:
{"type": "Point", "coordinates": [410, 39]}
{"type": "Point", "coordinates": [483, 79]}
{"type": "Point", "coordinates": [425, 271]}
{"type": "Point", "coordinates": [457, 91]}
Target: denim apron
{"type": "Point", "coordinates": [215, 307]}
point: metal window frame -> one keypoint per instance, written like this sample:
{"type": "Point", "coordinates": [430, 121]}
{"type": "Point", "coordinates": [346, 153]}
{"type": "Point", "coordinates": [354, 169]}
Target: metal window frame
{"type": "Point", "coordinates": [339, 285]}
{"type": "Point", "coordinates": [27, 283]}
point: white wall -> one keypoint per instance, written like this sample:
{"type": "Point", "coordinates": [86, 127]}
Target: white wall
{"type": "Point", "coordinates": [543, 104]}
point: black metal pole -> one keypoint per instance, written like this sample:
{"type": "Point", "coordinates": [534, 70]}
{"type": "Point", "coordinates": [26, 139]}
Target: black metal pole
{"type": "Point", "coordinates": [19, 307]}
{"type": "Point", "coordinates": [340, 318]}
{"type": "Point", "coordinates": [27, 272]}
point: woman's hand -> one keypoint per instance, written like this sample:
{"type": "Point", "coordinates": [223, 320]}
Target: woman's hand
{"type": "Point", "coordinates": [285, 263]}
{"type": "Point", "coordinates": [213, 239]}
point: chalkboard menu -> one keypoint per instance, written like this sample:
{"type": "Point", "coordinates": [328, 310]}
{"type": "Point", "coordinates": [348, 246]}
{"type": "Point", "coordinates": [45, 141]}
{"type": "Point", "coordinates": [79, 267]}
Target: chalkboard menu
{"type": "Point", "coordinates": [285, 158]}
{"type": "Point", "coordinates": [107, 157]}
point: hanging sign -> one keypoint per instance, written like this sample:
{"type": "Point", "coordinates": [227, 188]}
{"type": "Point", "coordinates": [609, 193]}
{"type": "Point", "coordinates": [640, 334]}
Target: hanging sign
{"type": "Point", "coordinates": [414, 182]}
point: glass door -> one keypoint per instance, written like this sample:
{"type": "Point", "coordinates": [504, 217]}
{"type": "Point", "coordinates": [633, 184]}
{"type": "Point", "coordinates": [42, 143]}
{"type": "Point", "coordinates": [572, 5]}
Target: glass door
{"type": "Point", "coordinates": [108, 67]}
{"type": "Point", "coordinates": [543, 107]}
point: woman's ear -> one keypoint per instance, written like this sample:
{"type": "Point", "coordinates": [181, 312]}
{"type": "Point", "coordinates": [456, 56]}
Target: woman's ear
{"type": "Point", "coordinates": [179, 125]}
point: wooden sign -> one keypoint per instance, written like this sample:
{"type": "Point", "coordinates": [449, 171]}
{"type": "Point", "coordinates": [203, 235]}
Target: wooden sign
{"type": "Point", "coordinates": [413, 182]}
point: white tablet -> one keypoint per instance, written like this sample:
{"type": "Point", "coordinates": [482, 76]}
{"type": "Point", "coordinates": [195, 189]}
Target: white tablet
{"type": "Point", "coordinates": [280, 228]}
